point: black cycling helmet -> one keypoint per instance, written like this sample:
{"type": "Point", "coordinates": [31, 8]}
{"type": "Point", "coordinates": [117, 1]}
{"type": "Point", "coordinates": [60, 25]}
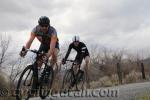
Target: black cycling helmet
{"type": "Point", "coordinates": [43, 20]}
{"type": "Point", "coordinates": [76, 39]}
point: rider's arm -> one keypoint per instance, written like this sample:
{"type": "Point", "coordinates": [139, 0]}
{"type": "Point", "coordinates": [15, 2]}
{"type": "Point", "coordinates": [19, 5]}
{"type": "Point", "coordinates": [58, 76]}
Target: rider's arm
{"type": "Point", "coordinates": [84, 48]}
{"type": "Point", "coordinates": [52, 45]}
{"type": "Point", "coordinates": [68, 52]}
{"type": "Point", "coordinates": [29, 42]}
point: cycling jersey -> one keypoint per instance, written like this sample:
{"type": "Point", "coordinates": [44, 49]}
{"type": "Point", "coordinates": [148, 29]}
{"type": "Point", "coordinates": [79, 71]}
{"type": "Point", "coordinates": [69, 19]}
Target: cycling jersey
{"type": "Point", "coordinates": [46, 37]}
{"type": "Point", "coordinates": [81, 49]}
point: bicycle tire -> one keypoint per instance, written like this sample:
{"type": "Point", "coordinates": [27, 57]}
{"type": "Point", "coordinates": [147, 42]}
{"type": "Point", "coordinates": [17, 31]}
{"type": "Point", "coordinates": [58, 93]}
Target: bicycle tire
{"type": "Point", "coordinates": [18, 89]}
{"type": "Point", "coordinates": [67, 80]}
{"type": "Point", "coordinates": [49, 84]}
{"type": "Point", "coordinates": [80, 82]}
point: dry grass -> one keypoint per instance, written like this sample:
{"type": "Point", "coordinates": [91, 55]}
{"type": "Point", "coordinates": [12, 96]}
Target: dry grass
{"type": "Point", "coordinates": [107, 74]}
{"type": "Point", "coordinates": [133, 77]}
{"type": "Point", "coordinates": [106, 81]}
{"type": "Point", "coordinates": [4, 84]}
{"type": "Point", "coordinates": [57, 83]}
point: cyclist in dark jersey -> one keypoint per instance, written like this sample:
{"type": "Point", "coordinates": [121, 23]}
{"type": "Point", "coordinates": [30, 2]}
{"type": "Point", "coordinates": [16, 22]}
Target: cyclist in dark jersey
{"type": "Point", "coordinates": [82, 53]}
{"type": "Point", "coordinates": [47, 35]}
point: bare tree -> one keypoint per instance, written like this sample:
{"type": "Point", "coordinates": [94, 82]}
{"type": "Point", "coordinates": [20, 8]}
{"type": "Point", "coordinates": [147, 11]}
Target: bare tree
{"type": "Point", "coordinates": [4, 44]}
{"type": "Point", "coordinates": [118, 56]}
{"type": "Point", "coordinates": [98, 54]}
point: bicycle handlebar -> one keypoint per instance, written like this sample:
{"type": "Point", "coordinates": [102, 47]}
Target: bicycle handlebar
{"type": "Point", "coordinates": [34, 51]}
{"type": "Point", "coordinates": [70, 60]}
{"type": "Point", "coordinates": [74, 62]}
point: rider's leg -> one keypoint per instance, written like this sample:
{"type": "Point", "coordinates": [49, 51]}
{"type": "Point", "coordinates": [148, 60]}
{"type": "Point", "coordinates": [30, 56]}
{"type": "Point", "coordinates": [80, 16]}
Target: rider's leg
{"type": "Point", "coordinates": [42, 48]}
{"type": "Point", "coordinates": [87, 61]}
{"type": "Point", "coordinates": [54, 57]}
{"type": "Point", "coordinates": [76, 60]}
{"type": "Point", "coordinates": [80, 72]}
{"type": "Point", "coordinates": [52, 62]}
{"type": "Point", "coordinates": [86, 68]}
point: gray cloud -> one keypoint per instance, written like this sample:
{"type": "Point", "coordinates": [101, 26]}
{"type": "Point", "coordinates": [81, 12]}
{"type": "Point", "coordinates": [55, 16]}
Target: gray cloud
{"type": "Point", "coordinates": [108, 22]}
{"type": "Point", "coordinates": [111, 17]}
{"type": "Point", "coordinates": [20, 15]}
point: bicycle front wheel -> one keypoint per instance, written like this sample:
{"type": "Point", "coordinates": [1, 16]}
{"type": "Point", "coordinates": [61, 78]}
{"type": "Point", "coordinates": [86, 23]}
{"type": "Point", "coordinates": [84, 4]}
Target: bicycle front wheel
{"type": "Point", "coordinates": [24, 83]}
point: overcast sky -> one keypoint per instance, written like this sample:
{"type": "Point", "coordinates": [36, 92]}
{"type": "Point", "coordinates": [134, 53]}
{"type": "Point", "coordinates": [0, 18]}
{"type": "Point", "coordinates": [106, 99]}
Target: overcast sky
{"type": "Point", "coordinates": [110, 23]}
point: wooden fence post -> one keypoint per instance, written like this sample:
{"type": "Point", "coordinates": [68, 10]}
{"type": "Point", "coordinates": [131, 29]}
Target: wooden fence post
{"type": "Point", "coordinates": [119, 73]}
{"type": "Point", "coordinates": [143, 71]}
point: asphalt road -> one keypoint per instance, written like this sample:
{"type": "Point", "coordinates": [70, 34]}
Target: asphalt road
{"type": "Point", "coordinates": [122, 92]}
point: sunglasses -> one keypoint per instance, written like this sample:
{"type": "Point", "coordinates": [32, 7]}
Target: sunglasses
{"type": "Point", "coordinates": [44, 25]}
{"type": "Point", "coordinates": [76, 41]}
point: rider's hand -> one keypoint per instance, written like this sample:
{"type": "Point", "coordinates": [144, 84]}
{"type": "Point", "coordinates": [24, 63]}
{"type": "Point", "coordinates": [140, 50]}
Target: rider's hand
{"type": "Point", "coordinates": [23, 52]}
{"type": "Point", "coordinates": [63, 61]}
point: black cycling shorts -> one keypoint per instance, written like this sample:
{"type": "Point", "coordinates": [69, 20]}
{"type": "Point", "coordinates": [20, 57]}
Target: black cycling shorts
{"type": "Point", "coordinates": [79, 57]}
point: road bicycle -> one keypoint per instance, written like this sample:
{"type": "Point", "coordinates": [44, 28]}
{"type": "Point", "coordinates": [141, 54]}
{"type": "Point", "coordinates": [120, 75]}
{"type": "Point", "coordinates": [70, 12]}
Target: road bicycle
{"type": "Point", "coordinates": [72, 80]}
{"type": "Point", "coordinates": [35, 79]}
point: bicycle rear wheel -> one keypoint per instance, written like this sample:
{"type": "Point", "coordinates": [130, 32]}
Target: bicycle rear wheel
{"type": "Point", "coordinates": [80, 82]}
{"type": "Point", "coordinates": [25, 84]}
{"type": "Point", "coordinates": [46, 84]}
{"type": "Point", "coordinates": [67, 81]}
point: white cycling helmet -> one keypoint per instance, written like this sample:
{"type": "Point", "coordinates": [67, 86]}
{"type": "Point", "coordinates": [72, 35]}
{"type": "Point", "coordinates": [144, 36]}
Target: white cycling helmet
{"type": "Point", "coordinates": [76, 39]}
